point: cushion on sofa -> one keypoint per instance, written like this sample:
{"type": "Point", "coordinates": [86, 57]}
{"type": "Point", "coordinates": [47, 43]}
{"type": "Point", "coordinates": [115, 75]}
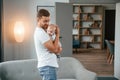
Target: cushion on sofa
{"type": "Point", "coordinates": [20, 70]}
{"type": "Point", "coordinates": [71, 68]}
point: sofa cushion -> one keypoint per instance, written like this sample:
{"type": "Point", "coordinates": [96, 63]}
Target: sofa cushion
{"type": "Point", "coordinates": [71, 68]}
{"type": "Point", "coordinates": [20, 70]}
{"type": "Point", "coordinates": [67, 68]}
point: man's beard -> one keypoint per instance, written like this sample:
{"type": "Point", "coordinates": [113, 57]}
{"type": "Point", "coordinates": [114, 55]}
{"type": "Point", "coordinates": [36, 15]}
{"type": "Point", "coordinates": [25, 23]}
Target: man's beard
{"type": "Point", "coordinates": [45, 26]}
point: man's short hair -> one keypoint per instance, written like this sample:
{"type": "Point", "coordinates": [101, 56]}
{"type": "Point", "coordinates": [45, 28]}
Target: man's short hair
{"type": "Point", "coordinates": [43, 12]}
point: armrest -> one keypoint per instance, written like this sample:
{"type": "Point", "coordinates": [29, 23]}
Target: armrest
{"type": "Point", "coordinates": [85, 74]}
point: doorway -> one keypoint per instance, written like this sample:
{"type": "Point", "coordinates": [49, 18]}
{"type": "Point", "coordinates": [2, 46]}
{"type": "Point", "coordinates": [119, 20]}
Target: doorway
{"type": "Point", "coordinates": [95, 60]}
{"type": "Point", "coordinates": [110, 24]}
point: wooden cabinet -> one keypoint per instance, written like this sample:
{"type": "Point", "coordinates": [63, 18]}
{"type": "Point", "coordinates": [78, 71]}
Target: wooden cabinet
{"type": "Point", "coordinates": [88, 25]}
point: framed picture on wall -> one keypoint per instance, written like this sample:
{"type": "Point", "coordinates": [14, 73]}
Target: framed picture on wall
{"type": "Point", "coordinates": [51, 10]}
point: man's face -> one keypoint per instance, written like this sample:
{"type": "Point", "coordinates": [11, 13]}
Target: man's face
{"type": "Point", "coordinates": [43, 22]}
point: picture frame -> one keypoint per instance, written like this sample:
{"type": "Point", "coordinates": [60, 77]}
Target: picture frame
{"type": "Point", "coordinates": [51, 10]}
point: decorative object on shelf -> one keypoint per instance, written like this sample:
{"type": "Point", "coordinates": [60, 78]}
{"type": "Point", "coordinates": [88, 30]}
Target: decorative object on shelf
{"type": "Point", "coordinates": [95, 39]}
{"type": "Point", "coordinates": [90, 32]}
{"type": "Point", "coordinates": [90, 25]}
{"type": "Point", "coordinates": [76, 25]}
{"type": "Point", "coordinates": [75, 9]}
{"type": "Point", "coordinates": [77, 18]}
{"type": "Point", "coordinates": [75, 38]}
{"type": "Point", "coordinates": [89, 17]}
{"type": "Point", "coordinates": [100, 25]}
{"type": "Point", "coordinates": [100, 17]}
{"type": "Point", "coordinates": [86, 32]}
{"type": "Point", "coordinates": [85, 17]}
{"type": "Point", "coordinates": [92, 40]}
{"type": "Point", "coordinates": [94, 25]}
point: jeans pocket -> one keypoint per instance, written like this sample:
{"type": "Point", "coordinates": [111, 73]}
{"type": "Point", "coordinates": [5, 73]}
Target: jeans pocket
{"type": "Point", "coordinates": [48, 73]}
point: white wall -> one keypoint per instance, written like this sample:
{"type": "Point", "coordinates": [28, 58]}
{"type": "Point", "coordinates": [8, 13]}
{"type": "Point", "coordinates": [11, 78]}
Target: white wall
{"type": "Point", "coordinates": [117, 43]}
{"type": "Point", "coordinates": [23, 10]}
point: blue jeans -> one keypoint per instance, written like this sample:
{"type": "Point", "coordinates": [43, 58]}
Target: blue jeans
{"type": "Point", "coordinates": [48, 73]}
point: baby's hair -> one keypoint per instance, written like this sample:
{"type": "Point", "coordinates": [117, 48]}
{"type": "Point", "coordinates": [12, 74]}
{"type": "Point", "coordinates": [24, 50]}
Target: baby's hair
{"type": "Point", "coordinates": [53, 25]}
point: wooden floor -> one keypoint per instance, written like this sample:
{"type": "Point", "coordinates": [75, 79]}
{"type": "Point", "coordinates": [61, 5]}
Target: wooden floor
{"type": "Point", "coordinates": [95, 60]}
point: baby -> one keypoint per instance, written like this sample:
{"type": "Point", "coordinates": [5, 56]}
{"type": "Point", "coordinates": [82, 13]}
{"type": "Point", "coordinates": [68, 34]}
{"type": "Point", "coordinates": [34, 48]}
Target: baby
{"type": "Point", "coordinates": [51, 31]}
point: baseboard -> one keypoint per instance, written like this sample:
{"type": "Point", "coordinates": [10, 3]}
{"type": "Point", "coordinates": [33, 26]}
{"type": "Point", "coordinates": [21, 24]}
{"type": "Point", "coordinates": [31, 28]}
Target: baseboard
{"type": "Point", "coordinates": [106, 78]}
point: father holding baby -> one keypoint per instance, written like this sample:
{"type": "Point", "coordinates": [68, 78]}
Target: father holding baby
{"type": "Point", "coordinates": [46, 48]}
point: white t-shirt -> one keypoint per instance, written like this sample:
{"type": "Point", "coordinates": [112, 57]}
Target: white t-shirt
{"type": "Point", "coordinates": [45, 57]}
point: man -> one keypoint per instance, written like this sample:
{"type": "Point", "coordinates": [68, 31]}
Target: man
{"type": "Point", "coordinates": [45, 47]}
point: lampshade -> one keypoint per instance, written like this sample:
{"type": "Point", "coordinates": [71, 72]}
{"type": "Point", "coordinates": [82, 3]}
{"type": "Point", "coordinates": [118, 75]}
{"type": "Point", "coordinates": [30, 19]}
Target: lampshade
{"type": "Point", "coordinates": [19, 31]}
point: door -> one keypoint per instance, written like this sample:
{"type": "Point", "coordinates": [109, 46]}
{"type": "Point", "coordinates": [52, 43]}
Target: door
{"type": "Point", "coordinates": [64, 21]}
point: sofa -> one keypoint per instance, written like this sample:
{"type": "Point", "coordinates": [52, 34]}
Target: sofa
{"type": "Point", "coordinates": [69, 69]}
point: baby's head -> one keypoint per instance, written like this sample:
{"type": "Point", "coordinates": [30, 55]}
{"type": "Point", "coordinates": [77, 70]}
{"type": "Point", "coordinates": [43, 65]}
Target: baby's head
{"type": "Point", "coordinates": [51, 29]}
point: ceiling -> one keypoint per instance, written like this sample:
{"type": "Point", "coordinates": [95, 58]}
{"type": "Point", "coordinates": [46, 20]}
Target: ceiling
{"type": "Point", "coordinates": [94, 1]}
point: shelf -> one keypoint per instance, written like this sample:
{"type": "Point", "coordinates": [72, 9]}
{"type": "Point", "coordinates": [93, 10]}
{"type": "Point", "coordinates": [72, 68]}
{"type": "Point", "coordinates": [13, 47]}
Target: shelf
{"type": "Point", "coordinates": [90, 42]}
{"type": "Point", "coordinates": [88, 13]}
{"type": "Point", "coordinates": [90, 20]}
{"type": "Point", "coordinates": [90, 28]}
{"type": "Point", "coordinates": [76, 20]}
{"type": "Point", "coordinates": [90, 34]}
{"type": "Point", "coordinates": [76, 13]}
{"type": "Point", "coordinates": [75, 34]}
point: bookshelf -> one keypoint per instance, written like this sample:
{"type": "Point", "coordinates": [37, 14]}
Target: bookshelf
{"type": "Point", "coordinates": [88, 25]}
